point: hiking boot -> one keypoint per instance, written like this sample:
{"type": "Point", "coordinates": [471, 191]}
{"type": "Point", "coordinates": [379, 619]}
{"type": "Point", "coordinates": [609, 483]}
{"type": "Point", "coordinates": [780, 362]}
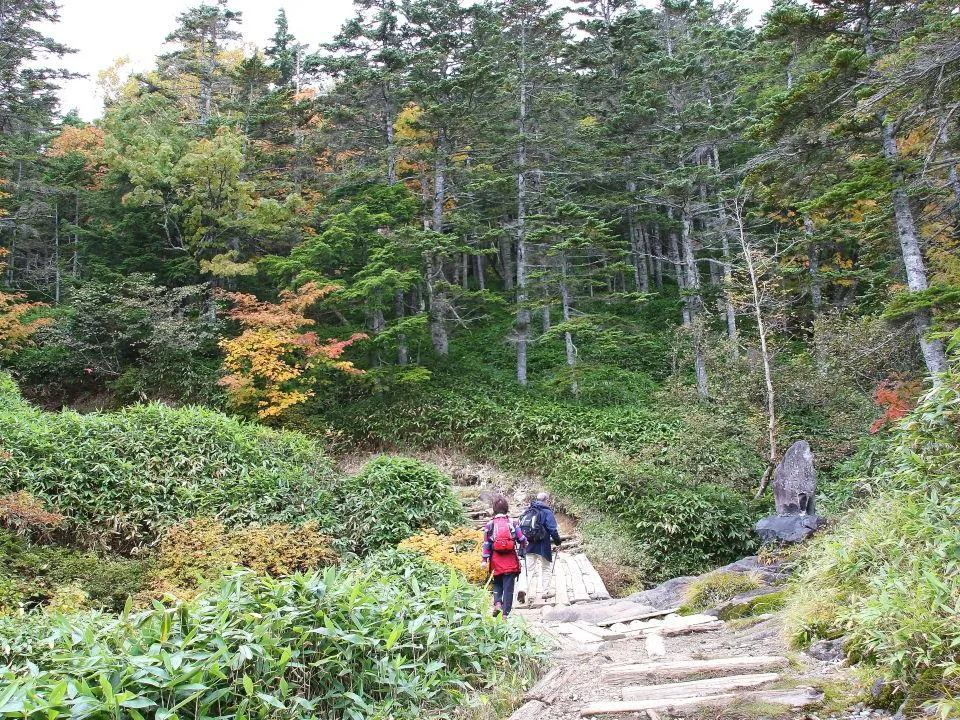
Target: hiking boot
{"type": "Point", "coordinates": [497, 609]}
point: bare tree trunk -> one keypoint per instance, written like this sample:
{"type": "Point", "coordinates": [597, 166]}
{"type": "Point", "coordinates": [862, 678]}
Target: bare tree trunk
{"type": "Point", "coordinates": [438, 312]}
{"type": "Point", "coordinates": [389, 132]}
{"type": "Point", "coordinates": [729, 309]}
{"type": "Point", "coordinates": [505, 257]}
{"type": "Point", "coordinates": [479, 262]}
{"type": "Point", "coordinates": [56, 251]}
{"type": "Point", "coordinates": [378, 325]}
{"type": "Point", "coordinates": [694, 305]}
{"type": "Point", "coordinates": [757, 302]}
{"type": "Point", "coordinates": [465, 271]}
{"type": "Point", "coordinates": [400, 310]}
{"type": "Point", "coordinates": [571, 350]}
{"type": "Point", "coordinates": [673, 255]}
{"type": "Point", "coordinates": [523, 312]}
{"type": "Point", "coordinates": [813, 255]}
{"type": "Point", "coordinates": [75, 260]}
{"type": "Point", "coordinates": [934, 355]}
{"type": "Point", "coordinates": [954, 184]}
{"type": "Point", "coordinates": [656, 247]}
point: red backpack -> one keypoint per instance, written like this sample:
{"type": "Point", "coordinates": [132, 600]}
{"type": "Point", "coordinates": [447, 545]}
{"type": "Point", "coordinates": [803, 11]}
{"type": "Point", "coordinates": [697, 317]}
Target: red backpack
{"type": "Point", "coordinates": [503, 535]}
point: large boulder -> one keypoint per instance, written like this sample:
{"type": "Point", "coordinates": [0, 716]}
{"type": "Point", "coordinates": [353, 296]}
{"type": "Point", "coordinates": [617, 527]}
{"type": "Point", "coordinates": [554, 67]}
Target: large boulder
{"type": "Point", "coordinates": [787, 528]}
{"type": "Point", "coordinates": [795, 482]}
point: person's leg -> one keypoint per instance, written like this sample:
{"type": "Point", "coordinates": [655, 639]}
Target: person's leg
{"type": "Point", "coordinates": [545, 575]}
{"type": "Point", "coordinates": [534, 570]}
{"type": "Point", "coordinates": [525, 587]}
{"type": "Point", "coordinates": [498, 587]}
{"type": "Point", "coordinates": [509, 583]}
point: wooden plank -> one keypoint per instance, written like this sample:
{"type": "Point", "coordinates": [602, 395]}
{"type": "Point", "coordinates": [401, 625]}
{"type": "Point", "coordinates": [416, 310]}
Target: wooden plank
{"type": "Point", "coordinates": [790, 698]}
{"type": "Point", "coordinates": [588, 580]}
{"type": "Point", "coordinates": [577, 585]}
{"type": "Point", "coordinates": [637, 615]}
{"type": "Point", "coordinates": [560, 582]}
{"type": "Point", "coordinates": [684, 668]}
{"type": "Point", "coordinates": [592, 579]}
{"type": "Point", "coordinates": [599, 631]}
{"type": "Point", "coordinates": [696, 688]}
{"type": "Point", "coordinates": [600, 590]}
{"type": "Point", "coordinates": [578, 633]}
{"type": "Point", "coordinates": [696, 624]}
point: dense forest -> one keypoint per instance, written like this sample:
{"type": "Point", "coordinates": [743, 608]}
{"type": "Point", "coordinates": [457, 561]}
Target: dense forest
{"type": "Point", "coordinates": [632, 251]}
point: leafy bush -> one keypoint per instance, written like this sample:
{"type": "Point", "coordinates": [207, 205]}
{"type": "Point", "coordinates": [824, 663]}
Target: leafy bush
{"type": "Point", "coordinates": [121, 478]}
{"type": "Point", "coordinates": [887, 576]}
{"type": "Point", "coordinates": [33, 575]}
{"type": "Point", "coordinates": [459, 550]}
{"type": "Point", "coordinates": [715, 588]}
{"type": "Point", "coordinates": [141, 339]}
{"type": "Point", "coordinates": [392, 498]}
{"type": "Point", "coordinates": [682, 528]}
{"type": "Point", "coordinates": [200, 549]}
{"type": "Point", "coordinates": [342, 643]}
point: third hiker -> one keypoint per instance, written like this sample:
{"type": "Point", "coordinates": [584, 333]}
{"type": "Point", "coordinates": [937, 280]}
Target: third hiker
{"type": "Point", "coordinates": [539, 525]}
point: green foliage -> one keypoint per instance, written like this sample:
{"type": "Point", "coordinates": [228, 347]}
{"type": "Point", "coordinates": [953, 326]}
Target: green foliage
{"type": "Point", "coordinates": [715, 588]}
{"type": "Point", "coordinates": [128, 334]}
{"type": "Point", "coordinates": [32, 574]}
{"type": "Point", "coordinates": [886, 576]}
{"type": "Point", "coordinates": [120, 478]}
{"type": "Point", "coordinates": [345, 643]}
{"type": "Point", "coordinates": [391, 499]}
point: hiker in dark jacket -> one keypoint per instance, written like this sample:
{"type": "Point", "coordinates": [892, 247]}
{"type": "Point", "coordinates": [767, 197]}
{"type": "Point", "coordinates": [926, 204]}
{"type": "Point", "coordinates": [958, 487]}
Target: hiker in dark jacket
{"type": "Point", "coordinates": [540, 524]}
{"type": "Point", "coordinates": [503, 546]}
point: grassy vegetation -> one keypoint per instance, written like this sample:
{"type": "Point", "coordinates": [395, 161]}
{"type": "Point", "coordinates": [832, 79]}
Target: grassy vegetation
{"type": "Point", "coordinates": [121, 478]}
{"type": "Point", "coordinates": [716, 588]}
{"type": "Point", "coordinates": [886, 577]}
{"type": "Point", "coordinates": [393, 638]}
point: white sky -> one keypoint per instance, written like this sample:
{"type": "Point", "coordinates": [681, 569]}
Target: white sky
{"type": "Point", "coordinates": [104, 30]}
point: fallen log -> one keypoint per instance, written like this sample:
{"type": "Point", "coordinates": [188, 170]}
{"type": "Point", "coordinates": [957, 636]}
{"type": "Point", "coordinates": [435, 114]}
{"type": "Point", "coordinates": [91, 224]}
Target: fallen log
{"type": "Point", "coordinates": [685, 668]}
{"type": "Point", "coordinates": [638, 615]}
{"type": "Point", "coordinates": [696, 688]}
{"type": "Point", "coordinates": [790, 698]}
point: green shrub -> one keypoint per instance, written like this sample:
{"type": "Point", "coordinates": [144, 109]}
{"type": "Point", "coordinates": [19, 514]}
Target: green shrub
{"type": "Point", "coordinates": [34, 574]}
{"type": "Point", "coordinates": [348, 643]}
{"type": "Point", "coordinates": [716, 588]}
{"type": "Point", "coordinates": [391, 499]}
{"type": "Point", "coordinates": [120, 478]}
{"type": "Point", "coordinates": [887, 576]}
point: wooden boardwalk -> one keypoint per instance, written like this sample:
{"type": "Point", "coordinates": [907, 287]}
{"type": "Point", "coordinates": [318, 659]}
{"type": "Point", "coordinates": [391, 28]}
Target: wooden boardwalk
{"type": "Point", "coordinates": [575, 580]}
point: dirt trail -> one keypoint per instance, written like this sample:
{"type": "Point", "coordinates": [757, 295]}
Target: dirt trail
{"type": "Point", "coordinates": [672, 666]}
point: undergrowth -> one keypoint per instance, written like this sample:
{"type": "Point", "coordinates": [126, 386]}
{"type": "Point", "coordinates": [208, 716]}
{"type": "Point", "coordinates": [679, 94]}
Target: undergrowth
{"type": "Point", "coordinates": [397, 637]}
{"type": "Point", "coordinates": [887, 577]}
{"type": "Point", "coordinates": [120, 478]}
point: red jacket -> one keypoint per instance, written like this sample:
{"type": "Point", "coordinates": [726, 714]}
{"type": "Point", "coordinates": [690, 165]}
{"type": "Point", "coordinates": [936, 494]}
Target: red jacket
{"type": "Point", "coordinates": [504, 563]}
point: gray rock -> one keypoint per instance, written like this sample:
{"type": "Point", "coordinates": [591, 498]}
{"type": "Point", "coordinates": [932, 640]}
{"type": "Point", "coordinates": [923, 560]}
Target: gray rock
{"type": "Point", "coordinates": [795, 482]}
{"type": "Point", "coordinates": [787, 528]}
{"type": "Point", "coordinates": [594, 611]}
{"type": "Point", "coordinates": [773, 574]}
{"type": "Point", "coordinates": [827, 650]}
{"type": "Point", "coordinates": [666, 595]}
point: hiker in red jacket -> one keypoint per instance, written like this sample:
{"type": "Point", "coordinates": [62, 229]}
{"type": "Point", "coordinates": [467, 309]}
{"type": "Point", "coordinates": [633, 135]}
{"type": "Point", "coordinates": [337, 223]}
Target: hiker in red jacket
{"type": "Point", "coordinates": [503, 546]}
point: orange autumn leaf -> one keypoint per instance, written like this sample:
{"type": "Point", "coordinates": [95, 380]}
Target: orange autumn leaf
{"type": "Point", "coordinates": [267, 367]}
